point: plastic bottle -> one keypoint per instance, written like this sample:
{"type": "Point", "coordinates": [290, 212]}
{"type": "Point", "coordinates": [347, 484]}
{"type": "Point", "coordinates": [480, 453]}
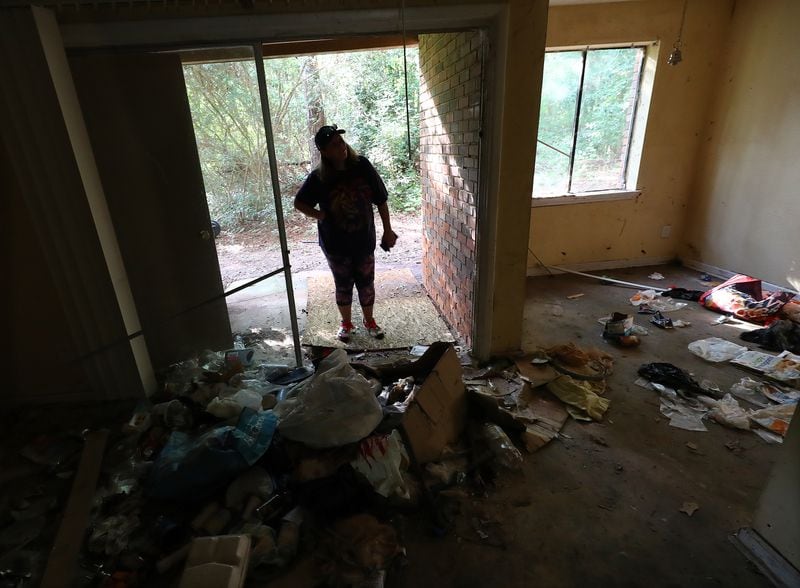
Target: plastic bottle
{"type": "Point", "coordinates": [501, 446]}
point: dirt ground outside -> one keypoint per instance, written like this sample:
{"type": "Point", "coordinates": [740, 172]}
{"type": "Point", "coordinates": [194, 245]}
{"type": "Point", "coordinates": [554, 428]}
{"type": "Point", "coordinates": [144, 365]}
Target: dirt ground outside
{"type": "Point", "coordinates": [255, 250]}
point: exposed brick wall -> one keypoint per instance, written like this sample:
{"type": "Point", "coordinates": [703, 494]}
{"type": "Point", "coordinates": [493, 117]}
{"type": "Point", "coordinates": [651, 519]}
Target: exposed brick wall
{"type": "Point", "coordinates": [450, 95]}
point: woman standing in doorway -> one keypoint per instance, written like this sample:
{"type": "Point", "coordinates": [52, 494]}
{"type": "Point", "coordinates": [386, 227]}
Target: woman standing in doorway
{"type": "Point", "coordinates": [345, 186]}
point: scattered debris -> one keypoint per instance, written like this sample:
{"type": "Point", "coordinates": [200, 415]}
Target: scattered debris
{"type": "Point", "coordinates": [619, 328]}
{"type": "Point", "coordinates": [684, 413]}
{"type": "Point", "coordinates": [661, 321]}
{"type": "Point", "coordinates": [689, 508]}
{"type": "Point", "coordinates": [683, 294]}
{"type": "Point", "coordinates": [784, 367]}
{"type": "Point", "coordinates": [670, 376]}
{"type": "Point", "coordinates": [724, 319]}
{"type": "Point", "coordinates": [735, 446]}
{"type": "Point", "coordinates": [583, 395]}
{"type": "Point", "coordinates": [262, 463]}
{"type": "Point", "coordinates": [656, 276]}
{"type": "Point", "coordinates": [655, 301]}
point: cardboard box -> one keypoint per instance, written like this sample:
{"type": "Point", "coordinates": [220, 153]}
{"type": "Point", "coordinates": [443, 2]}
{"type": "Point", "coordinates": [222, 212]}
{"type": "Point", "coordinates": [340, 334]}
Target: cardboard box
{"type": "Point", "coordinates": [436, 415]}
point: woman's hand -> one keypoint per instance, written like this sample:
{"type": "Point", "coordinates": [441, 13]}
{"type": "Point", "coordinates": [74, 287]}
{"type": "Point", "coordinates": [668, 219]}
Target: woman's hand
{"type": "Point", "coordinates": [389, 239]}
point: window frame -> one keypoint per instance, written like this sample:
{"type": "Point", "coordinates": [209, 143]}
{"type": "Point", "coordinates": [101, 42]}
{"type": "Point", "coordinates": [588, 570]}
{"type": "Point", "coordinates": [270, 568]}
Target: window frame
{"type": "Point", "coordinates": [641, 110]}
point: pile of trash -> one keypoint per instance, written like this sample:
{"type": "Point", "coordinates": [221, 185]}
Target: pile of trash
{"type": "Point", "coordinates": [264, 472]}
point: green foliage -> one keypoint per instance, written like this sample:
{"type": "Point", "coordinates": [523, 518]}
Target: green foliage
{"type": "Point", "coordinates": [230, 139]}
{"type": "Point", "coordinates": [363, 92]}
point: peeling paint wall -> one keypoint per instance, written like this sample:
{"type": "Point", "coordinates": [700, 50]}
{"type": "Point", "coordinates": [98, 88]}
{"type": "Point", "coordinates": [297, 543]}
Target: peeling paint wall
{"type": "Point", "coordinates": [746, 202]}
{"type": "Point", "coordinates": [629, 232]}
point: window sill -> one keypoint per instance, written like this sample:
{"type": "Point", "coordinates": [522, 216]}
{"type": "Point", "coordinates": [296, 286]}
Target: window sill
{"type": "Point", "coordinates": [584, 198]}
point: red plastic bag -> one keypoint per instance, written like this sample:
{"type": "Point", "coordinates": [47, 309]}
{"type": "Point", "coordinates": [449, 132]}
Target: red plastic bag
{"type": "Point", "coordinates": [742, 297]}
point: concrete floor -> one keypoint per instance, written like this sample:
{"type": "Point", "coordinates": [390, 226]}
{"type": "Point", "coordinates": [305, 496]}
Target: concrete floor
{"type": "Point", "coordinates": [600, 507]}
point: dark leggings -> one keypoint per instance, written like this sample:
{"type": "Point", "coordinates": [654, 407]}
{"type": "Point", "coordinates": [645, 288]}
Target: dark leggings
{"type": "Point", "coordinates": [348, 271]}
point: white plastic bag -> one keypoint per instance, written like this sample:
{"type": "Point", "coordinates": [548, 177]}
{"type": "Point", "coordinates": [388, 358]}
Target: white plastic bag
{"type": "Point", "coordinates": [728, 412]}
{"type": "Point", "coordinates": [750, 390]}
{"type": "Point", "coordinates": [335, 407]}
{"type": "Point", "coordinates": [381, 459]}
{"type": "Point", "coordinates": [716, 349]}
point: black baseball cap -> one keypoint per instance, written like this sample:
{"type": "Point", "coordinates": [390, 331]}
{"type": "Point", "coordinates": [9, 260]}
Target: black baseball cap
{"type": "Point", "coordinates": [325, 134]}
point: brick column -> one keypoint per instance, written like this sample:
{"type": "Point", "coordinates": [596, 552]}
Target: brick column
{"type": "Point", "coordinates": [450, 96]}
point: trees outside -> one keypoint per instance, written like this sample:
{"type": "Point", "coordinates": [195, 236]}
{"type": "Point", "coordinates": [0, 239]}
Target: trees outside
{"type": "Point", "coordinates": [362, 92]}
{"type": "Point", "coordinates": [607, 100]}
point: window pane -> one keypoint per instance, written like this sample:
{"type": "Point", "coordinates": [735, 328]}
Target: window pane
{"type": "Point", "coordinates": [562, 77]}
{"type": "Point", "coordinates": [607, 106]}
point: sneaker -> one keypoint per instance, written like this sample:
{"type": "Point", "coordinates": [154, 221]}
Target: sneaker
{"type": "Point", "coordinates": [345, 329]}
{"type": "Point", "coordinates": [373, 329]}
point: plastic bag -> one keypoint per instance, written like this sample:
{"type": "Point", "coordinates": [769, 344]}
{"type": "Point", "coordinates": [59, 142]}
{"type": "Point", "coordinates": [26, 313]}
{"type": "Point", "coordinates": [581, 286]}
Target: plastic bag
{"type": "Point", "coordinates": [742, 296]}
{"type": "Point", "coordinates": [579, 393]}
{"type": "Point", "coordinates": [654, 301]}
{"type": "Point", "coordinates": [501, 446]}
{"type": "Point", "coordinates": [780, 395]}
{"type": "Point", "coordinates": [716, 349]}
{"type": "Point", "coordinates": [728, 412]}
{"type": "Point", "coordinates": [335, 407]}
{"type": "Point", "coordinates": [751, 391]}
{"type": "Point", "coordinates": [192, 469]}
{"type": "Point", "coordinates": [380, 460]}
{"type": "Point", "coordinates": [775, 418]}
{"type": "Point", "coordinates": [670, 375]}
{"type": "Point", "coordinates": [224, 408]}
{"type": "Point", "coordinates": [681, 412]}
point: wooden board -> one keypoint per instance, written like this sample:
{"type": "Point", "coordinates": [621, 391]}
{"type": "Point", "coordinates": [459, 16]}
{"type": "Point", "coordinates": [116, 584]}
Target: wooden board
{"type": "Point", "coordinates": [402, 309]}
{"type": "Point", "coordinates": [63, 558]}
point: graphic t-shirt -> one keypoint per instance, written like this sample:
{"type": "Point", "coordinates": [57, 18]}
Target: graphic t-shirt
{"type": "Point", "coordinates": [349, 224]}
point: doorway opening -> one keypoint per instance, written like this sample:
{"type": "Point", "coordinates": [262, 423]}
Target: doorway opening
{"type": "Point", "coordinates": [414, 111]}
{"type": "Point", "coordinates": [361, 91]}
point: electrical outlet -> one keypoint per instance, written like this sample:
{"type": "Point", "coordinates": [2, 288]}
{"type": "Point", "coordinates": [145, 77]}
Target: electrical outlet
{"type": "Point", "coordinates": [666, 231]}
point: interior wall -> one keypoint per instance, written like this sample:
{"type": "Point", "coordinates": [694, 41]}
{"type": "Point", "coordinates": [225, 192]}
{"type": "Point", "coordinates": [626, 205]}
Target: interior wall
{"type": "Point", "coordinates": [628, 232]}
{"type": "Point", "coordinates": [450, 109]}
{"type": "Point", "coordinates": [39, 149]}
{"type": "Point", "coordinates": [743, 216]}
{"type": "Point", "coordinates": [41, 362]}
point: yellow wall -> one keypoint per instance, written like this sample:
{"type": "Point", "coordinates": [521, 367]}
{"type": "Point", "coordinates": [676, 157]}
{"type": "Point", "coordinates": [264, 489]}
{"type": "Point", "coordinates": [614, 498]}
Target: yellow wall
{"type": "Point", "coordinates": [747, 195]}
{"type": "Point", "coordinates": [522, 86]}
{"type": "Point", "coordinates": [629, 231]}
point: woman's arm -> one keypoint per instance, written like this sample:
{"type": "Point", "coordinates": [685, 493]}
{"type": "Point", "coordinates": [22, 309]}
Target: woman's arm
{"type": "Point", "coordinates": [389, 236]}
{"type": "Point", "coordinates": [309, 210]}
